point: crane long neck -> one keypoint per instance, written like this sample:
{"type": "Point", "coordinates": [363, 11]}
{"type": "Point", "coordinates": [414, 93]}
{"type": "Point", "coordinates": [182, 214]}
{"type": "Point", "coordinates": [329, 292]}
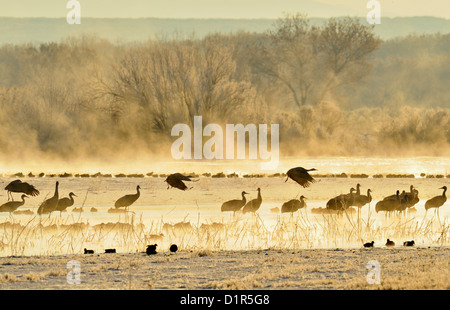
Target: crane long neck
{"type": "Point", "coordinates": [56, 190]}
{"type": "Point", "coordinates": [243, 198]}
{"type": "Point", "coordinates": [138, 193]}
{"type": "Point", "coordinates": [443, 193]}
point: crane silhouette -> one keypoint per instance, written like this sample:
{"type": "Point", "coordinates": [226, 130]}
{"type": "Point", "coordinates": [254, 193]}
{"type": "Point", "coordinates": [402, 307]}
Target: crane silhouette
{"type": "Point", "coordinates": [254, 204]}
{"type": "Point", "coordinates": [362, 200]}
{"type": "Point", "coordinates": [389, 204]}
{"type": "Point", "coordinates": [235, 204]}
{"type": "Point", "coordinates": [341, 202]}
{"type": "Point", "coordinates": [12, 206]}
{"type": "Point", "coordinates": [65, 202]}
{"type": "Point", "coordinates": [176, 180]}
{"type": "Point", "coordinates": [293, 205]}
{"type": "Point", "coordinates": [301, 176]}
{"type": "Point", "coordinates": [127, 200]}
{"type": "Point", "coordinates": [49, 205]}
{"type": "Point", "coordinates": [17, 186]}
{"type": "Point", "coordinates": [437, 201]}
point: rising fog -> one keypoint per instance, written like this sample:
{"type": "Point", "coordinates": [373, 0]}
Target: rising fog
{"type": "Point", "coordinates": [335, 90]}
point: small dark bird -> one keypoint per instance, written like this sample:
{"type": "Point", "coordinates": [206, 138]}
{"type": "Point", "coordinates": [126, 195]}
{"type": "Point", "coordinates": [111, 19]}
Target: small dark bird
{"type": "Point", "coordinates": [235, 204]}
{"type": "Point", "coordinates": [86, 251]}
{"type": "Point", "coordinates": [12, 206]}
{"type": "Point", "coordinates": [18, 186]}
{"type": "Point", "coordinates": [151, 249]}
{"type": "Point", "coordinates": [65, 202]}
{"type": "Point", "coordinates": [176, 180]}
{"type": "Point", "coordinates": [369, 244]}
{"type": "Point", "coordinates": [437, 201]}
{"type": "Point", "coordinates": [301, 176]}
{"type": "Point", "coordinates": [254, 204]}
{"type": "Point", "coordinates": [293, 205]}
{"type": "Point", "coordinates": [409, 243]}
{"type": "Point", "coordinates": [128, 200]}
{"type": "Point", "coordinates": [110, 250]}
{"type": "Point", "coordinates": [390, 243]}
{"type": "Point", "coordinates": [49, 205]}
{"type": "Point", "coordinates": [173, 248]}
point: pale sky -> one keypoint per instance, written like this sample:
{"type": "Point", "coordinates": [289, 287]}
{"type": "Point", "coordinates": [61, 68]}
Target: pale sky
{"type": "Point", "coordinates": [222, 8]}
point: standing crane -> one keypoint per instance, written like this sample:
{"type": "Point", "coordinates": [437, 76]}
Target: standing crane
{"type": "Point", "coordinates": [49, 205]}
{"type": "Point", "coordinates": [127, 200]}
{"type": "Point", "coordinates": [12, 206]}
{"type": "Point", "coordinates": [235, 204]}
{"type": "Point", "coordinates": [437, 201]}
{"type": "Point", "coordinates": [65, 202]}
{"type": "Point", "coordinates": [253, 205]}
{"type": "Point", "coordinates": [293, 205]}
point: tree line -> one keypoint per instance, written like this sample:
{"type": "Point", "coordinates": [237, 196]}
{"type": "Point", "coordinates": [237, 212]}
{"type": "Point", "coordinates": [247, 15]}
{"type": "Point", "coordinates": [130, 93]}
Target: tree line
{"type": "Point", "coordinates": [335, 89]}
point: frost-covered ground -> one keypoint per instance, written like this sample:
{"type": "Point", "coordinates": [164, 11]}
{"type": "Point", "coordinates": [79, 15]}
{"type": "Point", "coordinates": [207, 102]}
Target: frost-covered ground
{"type": "Point", "coordinates": [400, 268]}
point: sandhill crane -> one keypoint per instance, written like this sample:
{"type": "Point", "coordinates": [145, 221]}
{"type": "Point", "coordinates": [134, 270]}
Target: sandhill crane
{"type": "Point", "coordinates": [234, 205]}
{"type": "Point", "coordinates": [293, 205]}
{"type": "Point", "coordinates": [358, 191]}
{"type": "Point", "coordinates": [390, 243]}
{"type": "Point", "coordinates": [362, 200]}
{"type": "Point", "coordinates": [404, 203]}
{"type": "Point", "coordinates": [17, 186]}
{"type": "Point", "coordinates": [176, 180]}
{"type": "Point", "coordinates": [388, 204]}
{"type": "Point", "coordinates": [413, 196]}
{"type": "Point", "coordinates": [341, 202]}
{"type": "Point", "coordinates": [437, 201]}
{"type": "Point", "coordinates": [49, 205]}
{"type": "Point", "coordinates": [254, 204]}
{"type": "Point", "coordinates": [12, 206]}
{"type": "Point", "coordinates": [301, 176]}
{"type": "Point", "coordinates": [65, 202]}
{"type": "Point", "coordinates": [127, 200]}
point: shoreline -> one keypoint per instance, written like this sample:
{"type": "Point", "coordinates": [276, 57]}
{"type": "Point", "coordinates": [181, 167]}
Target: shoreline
{"type": "Point", "coordinates": [413, 268]}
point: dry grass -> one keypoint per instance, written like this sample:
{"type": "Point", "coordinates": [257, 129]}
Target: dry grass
{"type": "Point", "coordinates": [53, 235]}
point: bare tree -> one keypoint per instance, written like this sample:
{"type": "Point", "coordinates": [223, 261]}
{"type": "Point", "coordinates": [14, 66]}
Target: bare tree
{"type": "Point", "coordinates": [312, 61]}
{"type": "Point", "coordinates": [174, 81]}
{"type": "Point", "coordinates": [345, 47]}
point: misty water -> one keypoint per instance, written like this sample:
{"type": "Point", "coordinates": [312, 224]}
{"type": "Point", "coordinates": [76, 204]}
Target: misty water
{"type": "Point", "coordinates": [159, 207]}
